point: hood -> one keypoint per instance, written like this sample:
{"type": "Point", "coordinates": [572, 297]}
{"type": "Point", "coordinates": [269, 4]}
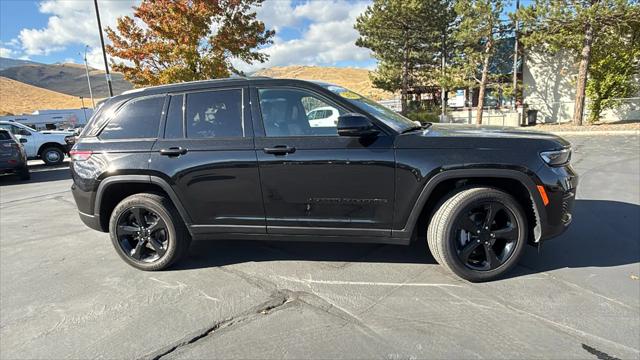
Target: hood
{"type": "Point", "coordinates": [479, 136]}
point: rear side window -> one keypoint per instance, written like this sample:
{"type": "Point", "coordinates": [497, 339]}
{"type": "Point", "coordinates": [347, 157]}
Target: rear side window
{"type": "Point", "coordinates": [211, 114]}
{"type": "Point", "coordinates": [137, 119]}
{"type": "Point", "coordinates": [173, 128]}
{"type": "Point", "coordinates": [4, 135]}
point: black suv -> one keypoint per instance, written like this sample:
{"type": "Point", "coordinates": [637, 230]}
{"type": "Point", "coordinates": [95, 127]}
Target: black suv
{"type": "Point", "coordinates": [241, 158]}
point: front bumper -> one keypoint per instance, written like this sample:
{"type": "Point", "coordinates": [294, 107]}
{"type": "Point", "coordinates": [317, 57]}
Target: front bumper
{"type": "Point", "coordinates": [561, 188]}
{"type": "Point", "coordinates": [91, 221]}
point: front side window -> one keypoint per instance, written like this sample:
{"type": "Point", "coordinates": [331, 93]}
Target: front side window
{"type": "Point", "coordinates": [391, 118]}
{"type": "Point", "coordinates": [12, 128]}
{"type": "Point", "coordinates": [296, 112]}
{"type": "Point", "coordinates": [213, 114]}
{"type": "Point", "coordinates": [137, 119]}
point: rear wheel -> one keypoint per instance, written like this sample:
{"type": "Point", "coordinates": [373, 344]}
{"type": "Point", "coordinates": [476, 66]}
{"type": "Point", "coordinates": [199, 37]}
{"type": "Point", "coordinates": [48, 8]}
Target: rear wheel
{"type": "Point", "coordinates": [147, 232]}
{"type": "Point", "coordinates": [478, 234]}
{"type": "Point", "coordinates": [52, 156]}
{"type": "Point", "coordinates": [24, 173]}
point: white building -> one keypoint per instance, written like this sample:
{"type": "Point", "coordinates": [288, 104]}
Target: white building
{"type": "Point", "coordinates": [52, 119]}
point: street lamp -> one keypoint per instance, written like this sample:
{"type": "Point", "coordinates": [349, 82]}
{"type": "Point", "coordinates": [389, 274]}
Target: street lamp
{"type": "Point", "coordinates": [86, 67]}
{"type": "Point", "coordinates": [104, 53]}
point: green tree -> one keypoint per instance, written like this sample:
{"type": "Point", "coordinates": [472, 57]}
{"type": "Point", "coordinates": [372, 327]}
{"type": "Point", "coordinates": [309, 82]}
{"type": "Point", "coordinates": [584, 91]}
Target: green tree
{"type": "Point", "coordinates": [615, 67]}
{"type": "Point", "coordinates": [185, 40]}
{"type": "Point", "coordinates": [574, 27]}
{"type": "Point", "coordinates": [405, 37]}
{"type": "Point", "coordinates": [480, 28]}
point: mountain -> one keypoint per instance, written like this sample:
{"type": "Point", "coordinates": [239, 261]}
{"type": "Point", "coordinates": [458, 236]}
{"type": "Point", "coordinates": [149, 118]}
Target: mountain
{"type": "Point", "coordinates": [7, 63]}
{"type": "Point", "coordinates": [351, 78]}
{"type": "Point", "coordinates": [69, 79]}
{"type": "Point", "coordinates": [18, 98]}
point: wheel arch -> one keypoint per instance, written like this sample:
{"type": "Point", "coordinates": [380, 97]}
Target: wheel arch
{"type": "Point", "coordinates": [114, 189]}
{"type": "Point", "coordinates": [514, 182]}
{"type": "Point", "coordinates": [51, 144]}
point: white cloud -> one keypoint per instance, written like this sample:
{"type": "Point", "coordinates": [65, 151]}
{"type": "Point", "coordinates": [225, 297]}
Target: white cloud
{"type": "Point", "coordinates": [72, 22]}
{"type": "Point", "coordinates": [326, 33]}
{"type": "Point", "coordinates": [329, 39]}
{"type": "Point", "coordinates": [7, 53]}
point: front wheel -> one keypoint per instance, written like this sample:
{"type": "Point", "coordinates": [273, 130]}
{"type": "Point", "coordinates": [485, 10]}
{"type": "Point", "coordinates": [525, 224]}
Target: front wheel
{"type": "Point", "coordinates": [52, 156]}
{"type": "Point", "coordinates": [147, 232]}
{"type": "Point", "coordinates": [478, 233]}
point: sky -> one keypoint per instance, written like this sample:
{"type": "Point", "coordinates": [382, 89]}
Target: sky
{"type": "Point", "coordinates": [307, 32]}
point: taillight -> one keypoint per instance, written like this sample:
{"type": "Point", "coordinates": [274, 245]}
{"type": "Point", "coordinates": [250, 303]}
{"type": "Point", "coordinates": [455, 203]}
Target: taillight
{"type": "Point", "coordinates": [80, 155]}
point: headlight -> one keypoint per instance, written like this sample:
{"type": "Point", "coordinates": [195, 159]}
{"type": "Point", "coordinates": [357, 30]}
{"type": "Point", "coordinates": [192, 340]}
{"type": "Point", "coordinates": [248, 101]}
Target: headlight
{"type": "Point", "coordinates": [556, 157]}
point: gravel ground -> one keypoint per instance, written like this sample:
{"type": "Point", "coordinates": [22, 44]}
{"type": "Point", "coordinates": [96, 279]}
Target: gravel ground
{"type": "Point", "coordinates": [64, 293]}
{"type": "Point", "coordinates": [624, 126]}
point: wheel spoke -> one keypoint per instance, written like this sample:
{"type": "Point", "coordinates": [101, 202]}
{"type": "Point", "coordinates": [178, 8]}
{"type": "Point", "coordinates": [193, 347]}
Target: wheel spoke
{"type": "Point", "coordinates": [138, 214]}
{"type": "Point", "coordinates": [492, 209]}
{"type": "Point", "coordinates": [158, 225]}
{"type": "Point", "coordinates": [509, 233]}
{"type": "Point", "coordinates": [468, 249]}
{"type": "Point", "coordinates": [492, 259]}
{"type": "Point", "coordinates": [137, 251]}
{"type": "Point", "coordinates": [157, 246]}
{"type": "Point", "coordinates": [127, 230]}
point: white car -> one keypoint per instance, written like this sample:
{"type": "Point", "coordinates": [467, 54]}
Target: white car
{"type": "Point", "coordinates": [325, 116]}
{"type": "Point", "coordinates": [50, 146]}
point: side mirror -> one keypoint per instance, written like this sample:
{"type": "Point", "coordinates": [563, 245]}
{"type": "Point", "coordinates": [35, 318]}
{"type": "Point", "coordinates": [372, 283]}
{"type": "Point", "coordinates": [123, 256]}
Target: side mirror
{"type": "Point", "coordinates": [353, 124]}
{"type": "Point", "coordinates": [23, 140]}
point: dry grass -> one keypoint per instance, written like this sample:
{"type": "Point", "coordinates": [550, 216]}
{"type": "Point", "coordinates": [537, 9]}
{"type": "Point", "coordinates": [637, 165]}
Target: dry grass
{"type": "Point", "coordinates": [351, 78]}
{"type": "Point", "coordinates": [19, 98]}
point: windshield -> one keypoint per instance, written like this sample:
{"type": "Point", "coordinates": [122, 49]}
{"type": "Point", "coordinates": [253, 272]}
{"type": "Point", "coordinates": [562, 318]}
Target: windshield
{"type": "Point", "coordinates": [391, 118]}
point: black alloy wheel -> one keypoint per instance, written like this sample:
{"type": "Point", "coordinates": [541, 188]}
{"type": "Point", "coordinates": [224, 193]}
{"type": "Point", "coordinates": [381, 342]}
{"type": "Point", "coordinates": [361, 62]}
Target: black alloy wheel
{"type": "Point", "coordinates": [142, 234]}
{"type": "Point", "coordinates": [486, 235]}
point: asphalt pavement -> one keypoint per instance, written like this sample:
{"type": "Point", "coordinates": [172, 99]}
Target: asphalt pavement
{"type": "Point", "coordinates": [64, 292]}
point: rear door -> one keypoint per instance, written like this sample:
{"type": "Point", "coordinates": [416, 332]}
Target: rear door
{"type": "Point", "coordinates": [315, 182]}
{"type": "Point", "coordinates": [206, 154]}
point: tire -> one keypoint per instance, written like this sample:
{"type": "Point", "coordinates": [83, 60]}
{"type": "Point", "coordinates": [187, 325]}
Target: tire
{"type": "Point", "coordinates": [468, 255]}
{"type": "Point", "coordinates": [52, 156]}
{"type": "Point", "coordinates": [175, 235]}
{"type": "Point", "coordinates": [24, 173]}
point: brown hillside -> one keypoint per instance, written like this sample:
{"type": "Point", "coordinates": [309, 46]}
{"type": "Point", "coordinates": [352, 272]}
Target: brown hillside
{"type": "Point", "coordinates": [351, 78]}
{"type": "Point", "coordinates": [18, 98]}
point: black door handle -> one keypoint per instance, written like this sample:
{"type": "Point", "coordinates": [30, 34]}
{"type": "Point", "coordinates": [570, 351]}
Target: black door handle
{"type": "Point", "coordinates": [280, 150]}
{"type": "Point", "coordinates": [173, 151]}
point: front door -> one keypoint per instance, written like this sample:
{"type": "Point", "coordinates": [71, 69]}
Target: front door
{"type": "Point", "coordinates": [314, 181]}
{"type": "Point", "coordinates": [206, 154]}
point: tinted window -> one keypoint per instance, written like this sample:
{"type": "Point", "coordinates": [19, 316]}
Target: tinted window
{"type": "Point", "coordinates": [292, 112]}
{"type": "Point", "coordinates": [214, 114]}
{"type": "Point", "coordinates": [173, 128]}
{"type": "Point", "coordinates": [137, 119]}
{"type": "Point", "coordinates": [4, 135]}
{"type": "Point", "coordinates": [14, 129]}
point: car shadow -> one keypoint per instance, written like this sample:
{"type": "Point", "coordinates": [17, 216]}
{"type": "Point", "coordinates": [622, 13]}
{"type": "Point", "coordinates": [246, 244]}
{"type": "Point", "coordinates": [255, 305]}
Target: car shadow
{"type": "Point", "coordinates": [39, 173]}
{"type": "Point", "coordinates": [603, 234]}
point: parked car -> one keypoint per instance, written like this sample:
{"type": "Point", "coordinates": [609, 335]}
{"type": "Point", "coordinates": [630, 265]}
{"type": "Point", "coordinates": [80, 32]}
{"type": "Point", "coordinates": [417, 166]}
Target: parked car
{"type": "Point", "coordinates": [48, 145]}
{"type": "Point", "coordinates": [13, 158]}
{"type": "Point", "coordinates": [239, 159]}
{"type": "Point", "coordinates": [324, 116]}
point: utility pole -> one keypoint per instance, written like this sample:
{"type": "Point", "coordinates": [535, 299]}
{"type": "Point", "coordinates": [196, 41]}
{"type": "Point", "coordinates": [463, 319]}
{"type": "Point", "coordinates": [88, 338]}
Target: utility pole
{"type": "Point", "coordinates": [86, 67]}
{"type": "Point", "coordinates": [515, 58]}
{"type": "Point", "coordinates": [104, 53]}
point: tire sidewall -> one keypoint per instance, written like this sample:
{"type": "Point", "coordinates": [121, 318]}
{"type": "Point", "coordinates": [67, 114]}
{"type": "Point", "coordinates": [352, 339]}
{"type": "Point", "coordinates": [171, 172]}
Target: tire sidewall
{"type": "Point", "coordinates": [50, 149]}
{"type": "Point", "coordinates": [457, 266]}
{"type": "Point", "coordinates": [156, 207]}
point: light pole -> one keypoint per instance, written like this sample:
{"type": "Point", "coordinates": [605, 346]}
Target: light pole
{"type": "Point", "coordinates": [104, 53]}
{"type": "Point", "coordinates": [86, 67]}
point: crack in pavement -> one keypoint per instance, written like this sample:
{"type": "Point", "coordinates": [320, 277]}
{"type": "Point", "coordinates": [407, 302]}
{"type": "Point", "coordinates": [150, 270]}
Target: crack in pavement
{"type": "Point", "coordinates": [277, 300]}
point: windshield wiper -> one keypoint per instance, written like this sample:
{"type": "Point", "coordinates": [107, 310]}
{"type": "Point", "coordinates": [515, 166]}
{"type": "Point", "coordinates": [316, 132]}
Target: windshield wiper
{"type": "Point", "coordinates": [414, 128]}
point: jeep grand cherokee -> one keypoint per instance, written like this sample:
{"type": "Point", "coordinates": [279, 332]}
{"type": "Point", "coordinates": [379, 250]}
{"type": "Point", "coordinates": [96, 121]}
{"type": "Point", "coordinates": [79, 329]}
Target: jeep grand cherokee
{"type": "Point", "coordinates": [239, 159]}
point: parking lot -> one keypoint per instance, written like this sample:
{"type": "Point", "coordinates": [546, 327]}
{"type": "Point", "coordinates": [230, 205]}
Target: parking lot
{"type": "Point", "coordinates": [64, 291]}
